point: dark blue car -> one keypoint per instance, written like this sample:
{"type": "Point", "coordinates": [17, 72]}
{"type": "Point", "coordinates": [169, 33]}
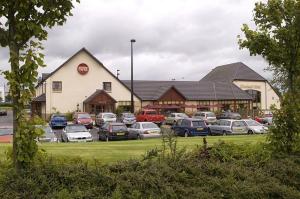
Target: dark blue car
{"type": "Point", "coordinates": [190, 127]}
{"type": "Point", "coordinates": [58, 121]}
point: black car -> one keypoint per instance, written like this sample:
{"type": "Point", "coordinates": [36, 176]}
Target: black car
{"type": "Point", "coordinates": [3, 113]}
{"type": "Point", "coordinates": [190, 127]}
{"type": "Point", "coordinates": [229, 115]}
{"type": "Point", "coordinates": [113, 131]}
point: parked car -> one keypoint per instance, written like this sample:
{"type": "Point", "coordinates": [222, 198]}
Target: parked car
{"type": "Point", "coordinates": [127, 118]}
{"type": "Point", "coordinates": [58, 121]}
{"type": "Point", "coordinates": [208, 117]}
{"type": "Point", "coordinates": [174, 117]}
{"type": "Point", "coordinates": [48, 135]}
{"type": "Point", "coordinates": [84, 119]}
{"type": "Point", "coordinates": [142, 130]}
{"type": "Point", "coordinates": [229, 115]}
{"type": "Point", "coordinates": [149, 115]}
{"type": "Point", "coordinates": [3, 112]}
{"type": "Point", "coordinates": [102, 118]}
{"type": "Point", "coordinates": [190, 127]}
{"type": "Point", "coordinates": [227, 127]}
{"type": "Point", "coordinates": [255, 127]}
{"type": "Point", "coordinates": [267, 120]}
{"type": "Point", "coordinates": [76, 133]}
{"type": "Point", "coordinates": [113, 131]}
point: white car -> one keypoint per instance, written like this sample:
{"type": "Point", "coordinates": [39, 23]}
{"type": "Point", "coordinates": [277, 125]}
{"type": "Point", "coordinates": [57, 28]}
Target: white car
{"type": "Point", "coordinates": [174, 117]}
{"type": "Point", "coordinates": [48, 134]}
{"type": "Point", "coordinates": [141, 130]}
{"type": "Point", "coordinates": [208, 117]}
{"type": "Point", "coordinates": [255, 127]}
{"type": "Point", "coordinates": [76, 133]}
{"type": "Point", "coordinates": [102, 118]}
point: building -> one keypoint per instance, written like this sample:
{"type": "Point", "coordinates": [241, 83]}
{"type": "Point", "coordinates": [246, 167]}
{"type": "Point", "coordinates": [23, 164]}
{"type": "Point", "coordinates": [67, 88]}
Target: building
{"type": "Point", "coordinates": [83, 83]}
{"type": "Point", "coordinates": [2, 94]}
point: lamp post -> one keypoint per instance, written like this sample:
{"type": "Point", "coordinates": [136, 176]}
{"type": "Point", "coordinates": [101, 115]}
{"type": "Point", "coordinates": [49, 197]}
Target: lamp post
{"type": "Point", "coordinates": [132, 102]}
{"type": "Point", "coordinates": [118, 73]}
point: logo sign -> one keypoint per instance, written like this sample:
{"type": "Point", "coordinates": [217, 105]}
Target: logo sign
{"type": "Point", "coordinates": [83, 69]}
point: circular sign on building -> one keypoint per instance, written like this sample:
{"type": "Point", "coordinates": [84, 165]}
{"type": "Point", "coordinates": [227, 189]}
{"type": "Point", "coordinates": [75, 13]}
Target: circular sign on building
{"type": "Point", "coordinates": [83, 69]}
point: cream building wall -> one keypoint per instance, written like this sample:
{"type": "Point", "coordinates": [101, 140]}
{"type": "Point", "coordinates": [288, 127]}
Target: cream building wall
{"type": "Point", "coordinates": [76, 87]}
{"type": "Point", "coordinates": [268, 95]}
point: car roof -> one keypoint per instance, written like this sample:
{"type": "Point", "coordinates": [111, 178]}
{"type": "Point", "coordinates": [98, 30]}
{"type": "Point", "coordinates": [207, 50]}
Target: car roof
{"type": "Point", "coordinates": [75, 125]}
{"type": "Point", "coordinates": [145, 122]}
{"type": "Point", "coordinates": [231, 120]}
{"type": "Point", "coordinates": [192, 119]}
{"type": "Point", "coordinates": [116, 123]}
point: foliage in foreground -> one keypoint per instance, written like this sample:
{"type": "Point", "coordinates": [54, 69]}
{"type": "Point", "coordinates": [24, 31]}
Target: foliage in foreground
{"type": "Point", "coordinates": [223, 171]}
{"type": "Point", "coordinates": [276, 39]}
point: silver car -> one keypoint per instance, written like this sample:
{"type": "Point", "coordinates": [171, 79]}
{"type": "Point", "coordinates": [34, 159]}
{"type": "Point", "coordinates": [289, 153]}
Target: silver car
{"type": "Point", "coordinates": [174, 117]}
{"type": "Point", "coordinates": [127, 118]}
{"type": "Point", "coordinates": [255, 127]}
{"type": "Point", "coordinates": [76, 133]}
{"type": "Point", "coordinates": [141, 130]}
{"type": "Point", "coordinates": [48, 135]}
{"type": "Point", "coordinates": [102, 118]}
{"type": "Point", "coordinates": [228, 127]}
{"type": "Point", "coordinates": [208, 117]}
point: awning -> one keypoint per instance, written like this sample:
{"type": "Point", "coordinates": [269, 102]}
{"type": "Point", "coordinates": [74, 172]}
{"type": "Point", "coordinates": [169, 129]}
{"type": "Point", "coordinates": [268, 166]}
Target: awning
{"type": "Point", "coordinates": [41, 98]}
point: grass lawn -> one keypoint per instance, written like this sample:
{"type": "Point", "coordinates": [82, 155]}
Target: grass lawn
{"type": "Point", "coordinates": [121, 150]}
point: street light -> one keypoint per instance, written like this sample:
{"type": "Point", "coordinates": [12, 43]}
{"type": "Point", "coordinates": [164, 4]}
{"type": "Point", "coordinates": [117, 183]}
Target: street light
{"type": "Point", "coordinates": [132, 102]}
{"type": "Point", "coordinates": [118, 73]}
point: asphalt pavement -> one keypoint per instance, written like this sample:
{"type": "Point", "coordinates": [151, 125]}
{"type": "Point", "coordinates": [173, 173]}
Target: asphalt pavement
{"type": "Point", "coordinates": [6, 121]}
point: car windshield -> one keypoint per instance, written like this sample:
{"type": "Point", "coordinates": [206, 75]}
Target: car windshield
{"type": "Point", "coordinates": [76, 128]}
{"type": "Point", "coordinates": [149, 126]}
{"type": "Point", "coordinates": [47, 129]}
{"type": "Point", "coordinates": [109, 116]}
{"type": "Point", "coordinates": [235, 114]}
{"type": "Point", "coordinates": [151, 113]}
{"type": "Point", "coordinates": [59, 117]}
{"type": "Point", "coordinates": [210, 115]}
{"type": "Point", "coordinates": [253, 123]}
{"type": "Point", "coordinates": [119, 128]}
{"type": "Point", "coordinates": [84, 116]}
{"type": "Point", "coordinates": [198, 123]}
{"type": "Point", "coordinates": [182, 115]}
{"type": "Point", "coordinates": [128, 115]}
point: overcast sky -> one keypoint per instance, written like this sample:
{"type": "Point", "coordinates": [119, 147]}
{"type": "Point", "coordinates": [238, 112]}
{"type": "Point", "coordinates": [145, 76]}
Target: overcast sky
{"type": "Point", "coordinates": [181, 39]}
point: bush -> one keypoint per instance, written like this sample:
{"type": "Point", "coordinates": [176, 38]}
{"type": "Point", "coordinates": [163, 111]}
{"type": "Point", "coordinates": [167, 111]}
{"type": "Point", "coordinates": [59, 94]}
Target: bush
{"type": "Point", "coordinates": [230, 171]}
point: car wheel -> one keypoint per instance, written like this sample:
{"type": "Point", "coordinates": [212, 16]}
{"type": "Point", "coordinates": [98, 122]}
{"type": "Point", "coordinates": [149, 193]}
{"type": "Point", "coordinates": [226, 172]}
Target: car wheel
{"type": "Point", "coordinates": [224, 133]}
{"type": "Point", "coordinates": [139, 137]}
{"type": "Point", "coordinates": [186, 134]}
{"type": "Point", "coordinates": [250, 132]}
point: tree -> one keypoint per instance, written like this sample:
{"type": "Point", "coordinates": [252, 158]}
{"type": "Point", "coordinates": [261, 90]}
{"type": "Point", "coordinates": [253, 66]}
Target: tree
{"type": "Point", "coordinates": [23, 27]}
{"type": "Point", "coordinates": [277, 39]}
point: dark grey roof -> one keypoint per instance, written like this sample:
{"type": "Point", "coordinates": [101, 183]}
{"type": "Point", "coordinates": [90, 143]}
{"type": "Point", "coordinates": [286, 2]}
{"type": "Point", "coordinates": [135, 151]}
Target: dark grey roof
{"type": "Point", "coordinates": [234, 71]}
{"type": "Point", "coordinates": [192, 90]}
{"type": "Point", "coordinates": [41, 98]}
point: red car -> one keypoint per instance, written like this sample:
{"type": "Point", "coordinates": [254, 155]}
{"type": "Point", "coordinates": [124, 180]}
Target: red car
{"type": "Point", "coordinates": [149, 115]}
{"type": "Point", "coordinates": [84, 119]}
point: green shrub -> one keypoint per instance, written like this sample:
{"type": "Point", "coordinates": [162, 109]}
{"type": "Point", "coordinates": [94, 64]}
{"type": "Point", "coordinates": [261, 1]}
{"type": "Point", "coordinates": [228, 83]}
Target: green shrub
{"type": "Point", "coordinates": [69, 116]}
{"type": "Point", "coordinates": [229, 171]}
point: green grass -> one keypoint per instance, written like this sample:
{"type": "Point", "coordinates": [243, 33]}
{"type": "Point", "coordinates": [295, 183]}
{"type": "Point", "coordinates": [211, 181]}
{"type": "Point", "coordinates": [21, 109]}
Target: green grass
{"type": "Point", "coordinates": [113, 151]}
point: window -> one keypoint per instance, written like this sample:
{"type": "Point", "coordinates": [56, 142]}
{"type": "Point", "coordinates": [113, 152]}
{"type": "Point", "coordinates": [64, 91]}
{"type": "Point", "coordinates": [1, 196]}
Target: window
{"type": "Point", "coordinates": [57, 86]}
{"type": "Point", "coordinates": [107, 86]}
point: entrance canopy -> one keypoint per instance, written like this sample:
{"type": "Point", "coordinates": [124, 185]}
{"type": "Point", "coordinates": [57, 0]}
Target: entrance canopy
{"type": "Point", "coordinates": [99, 101]}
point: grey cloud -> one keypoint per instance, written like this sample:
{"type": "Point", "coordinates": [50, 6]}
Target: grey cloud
{"type": "Point", "coordinates": [175, 38]}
